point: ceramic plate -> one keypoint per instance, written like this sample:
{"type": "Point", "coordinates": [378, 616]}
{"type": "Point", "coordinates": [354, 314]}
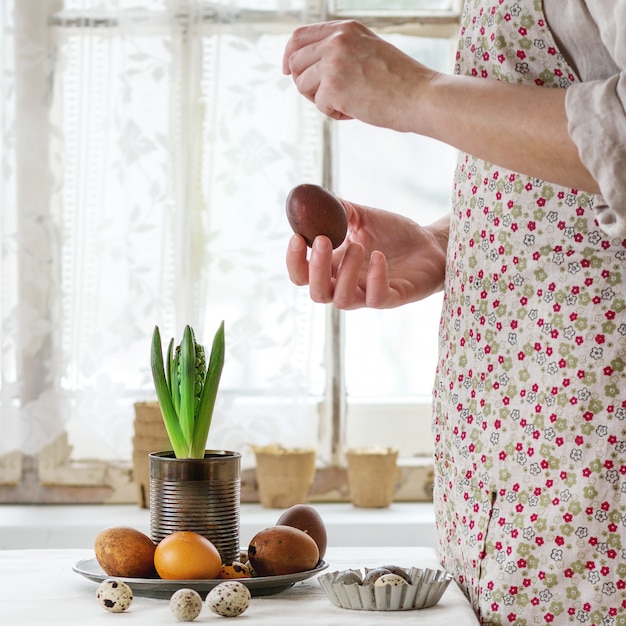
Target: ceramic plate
{"type": "Point", "coordinates": [159, 588]}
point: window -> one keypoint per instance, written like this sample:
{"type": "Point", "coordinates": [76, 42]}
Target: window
{"type": "Point", "coordinates": [149, 146]}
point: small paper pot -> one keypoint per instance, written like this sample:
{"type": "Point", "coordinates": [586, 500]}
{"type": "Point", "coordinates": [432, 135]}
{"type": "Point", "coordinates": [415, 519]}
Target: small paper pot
{"type": "Point", "coordinates": [426, 589]}
{"type": "Point", "coordinates": [150, 435]}
{"type": "Point", "coordinates": [284, 475]}
{"type": "Point", "coordinates": [148, 413]}
{"type": "Point", "coordinates": [372, 477]}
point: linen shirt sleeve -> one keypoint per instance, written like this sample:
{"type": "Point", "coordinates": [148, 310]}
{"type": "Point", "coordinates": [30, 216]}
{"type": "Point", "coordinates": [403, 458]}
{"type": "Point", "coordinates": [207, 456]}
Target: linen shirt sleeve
{"type": "Point", "coordinates": [596, 111]}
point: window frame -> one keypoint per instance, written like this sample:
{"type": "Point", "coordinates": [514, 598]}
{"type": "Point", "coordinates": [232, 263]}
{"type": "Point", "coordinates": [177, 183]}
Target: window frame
{"type": "Point", "coordinates": [52, 475]}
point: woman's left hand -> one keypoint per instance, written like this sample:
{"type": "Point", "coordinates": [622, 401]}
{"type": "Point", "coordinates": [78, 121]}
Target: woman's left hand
{"type": "Point", "coordinates": [350, 72]}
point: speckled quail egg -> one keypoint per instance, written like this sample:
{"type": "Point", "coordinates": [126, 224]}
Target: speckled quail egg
{"type": "Point", "coordinates": [114, 595]}
{"type": "Point", "coordinates": [347, 577]}
{"type": "Point", "coordinates": [234, 570]}
{"type": "Point", "coordinates": [186, 604]}
{"type": "Point", "coordinates": [228, 599]}
{"type": "Point", "coordinates": [374, 574]}
{"type": "Point", "coordinates": [394, 569]}
{"type": "Point", "coordinates": [249, 567]}
{"type": "Point", "coordinates": [390, 579]}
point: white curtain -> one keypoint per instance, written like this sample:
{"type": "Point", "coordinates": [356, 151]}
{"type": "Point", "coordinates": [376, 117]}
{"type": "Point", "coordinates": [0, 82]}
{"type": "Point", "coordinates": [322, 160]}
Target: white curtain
{"type": "Point", "coordinates": [147, 150]}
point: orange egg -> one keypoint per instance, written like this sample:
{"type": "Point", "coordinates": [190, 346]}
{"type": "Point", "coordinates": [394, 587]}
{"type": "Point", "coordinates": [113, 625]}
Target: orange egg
{"type": "Point", "coordinates": [235, 570]}
{"type": "Point", "coordinates": [186, 555]}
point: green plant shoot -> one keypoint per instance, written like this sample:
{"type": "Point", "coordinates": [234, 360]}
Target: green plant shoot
{"type": "Point", "coordinates": [186, 389]}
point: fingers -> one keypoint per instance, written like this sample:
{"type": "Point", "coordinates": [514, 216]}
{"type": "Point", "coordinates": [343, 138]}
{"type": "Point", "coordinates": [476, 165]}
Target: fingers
{"type": "Point", "coordinates": [341, 286]}
{"type": "Point", "coordinates": [347, 293]}
{"type": "Point", "coordinates": [350, 293]}
{"type": "Point", "coordinates": [308, 57]}
{"type": "Point", "coordinates": [321, 270]}
{"type": "Point", "coordinates": [303, 64]}
{"type": "Point", "coordinates": [307, 81]}
{"type": "Point", "coordinates": [317, 271]}
{"type": "Point", "coordinates": [297, 264]}
{"type": "Point", "coordinates": [377, 290]}
{"type": "Point", "coordinates": [302, 37]}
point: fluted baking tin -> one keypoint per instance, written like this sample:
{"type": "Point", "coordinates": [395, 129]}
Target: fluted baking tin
{"type": "Point", "coordinates": [426, 588]}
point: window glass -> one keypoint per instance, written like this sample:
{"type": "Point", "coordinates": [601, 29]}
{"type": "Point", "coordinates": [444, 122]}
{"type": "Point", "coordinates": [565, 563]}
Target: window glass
{"type": "Point", "coordinates": [393, 5]}
{"type": "Point", "coordinates": [392, 353]}
{"type": "Point", "coordinates": [164, 139]}
{"type": "Point", "coordinates": [175, 158]}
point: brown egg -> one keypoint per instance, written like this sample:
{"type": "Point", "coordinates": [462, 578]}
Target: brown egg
{"type": "Point", "coordinates": [306, 518]}
{"type": "Point", "coordinates": [125, 551]}
{"type": "Point", "coordinates": [282, 550]}
{"type": "Point", "coordinates": [185, 555]}
{"type": "Point", "coordinates": [313, 211]}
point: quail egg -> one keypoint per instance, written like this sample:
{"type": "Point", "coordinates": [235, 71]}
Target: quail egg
{"type": "Point", "coordinates": [390, 579]}
{"type": "Point", "coordinates": [228, 599]}
{"type": "Point", "coordinates": [236, 569]}
{"type": "Point", "coordinates": [249, 567]}
{"type": "Point", "coordinates": [186, 604]}
{"type": "Point", "coordinates": [347, 577]}
{"type": "Point", "coordinates": [114, 595]}
{"type": "Point", "coordinates": [394, 569]}
{"type": "Point", "coordinates": [374, 574]}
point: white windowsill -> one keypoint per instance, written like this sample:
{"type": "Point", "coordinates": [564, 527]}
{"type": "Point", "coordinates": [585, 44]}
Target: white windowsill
{"type": "Point", "coordinates": [76, 526]}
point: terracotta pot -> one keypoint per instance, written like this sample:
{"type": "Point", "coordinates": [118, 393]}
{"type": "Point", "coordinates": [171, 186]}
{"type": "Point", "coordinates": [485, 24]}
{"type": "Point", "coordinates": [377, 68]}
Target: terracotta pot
{"type": "Point", "coordinates": [199, 495]}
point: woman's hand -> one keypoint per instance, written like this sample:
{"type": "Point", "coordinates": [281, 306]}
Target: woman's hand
{"type": "Point", "coordinates": [386, 260]}
{"type": "Point", "coordinates": [350, 72]}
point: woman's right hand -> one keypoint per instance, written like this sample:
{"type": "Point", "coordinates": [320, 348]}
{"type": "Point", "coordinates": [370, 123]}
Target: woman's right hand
{"type": "Point", "coordinates": [386, 260]}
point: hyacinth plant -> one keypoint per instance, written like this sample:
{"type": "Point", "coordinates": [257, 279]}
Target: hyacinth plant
{"type": "Point", "coordinates": [186, 389]}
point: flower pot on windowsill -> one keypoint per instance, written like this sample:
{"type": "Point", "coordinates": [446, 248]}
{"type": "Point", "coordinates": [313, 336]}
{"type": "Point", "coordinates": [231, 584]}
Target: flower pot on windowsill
{"type": "Point", "coordinates": [372, 476]}
{"type": "Point", "coordinates": [284, 475]}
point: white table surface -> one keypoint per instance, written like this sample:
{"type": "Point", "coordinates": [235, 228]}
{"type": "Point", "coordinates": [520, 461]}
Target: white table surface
{"type": "Point", "coordinates": [39, 587]}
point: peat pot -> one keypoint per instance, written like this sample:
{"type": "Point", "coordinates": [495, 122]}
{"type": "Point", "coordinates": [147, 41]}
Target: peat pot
{"type": "Point", "coordinates": [199, 495]}
{"type": "Point", "coordinates": [284, 475]}
{"type": "Point", "coordinates": [150, 435]}
{"type": "Point", "coordinates": [372, 476]}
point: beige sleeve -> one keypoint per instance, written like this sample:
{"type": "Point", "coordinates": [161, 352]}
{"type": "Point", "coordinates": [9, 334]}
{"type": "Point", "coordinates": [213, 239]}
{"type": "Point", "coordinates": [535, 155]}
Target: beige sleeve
{"type": "Point", "coordinates": [596, 113]}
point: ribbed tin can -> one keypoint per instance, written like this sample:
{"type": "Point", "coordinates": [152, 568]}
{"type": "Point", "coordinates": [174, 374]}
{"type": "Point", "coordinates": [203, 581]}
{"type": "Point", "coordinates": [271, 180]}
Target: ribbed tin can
{"type": "Point", "coordinates": [199, 495]}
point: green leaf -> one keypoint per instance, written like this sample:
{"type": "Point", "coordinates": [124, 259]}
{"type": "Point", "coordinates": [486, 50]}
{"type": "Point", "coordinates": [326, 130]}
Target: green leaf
{"type": "Point", "coordinates": [174, 358]}
{"type": "Point", "coordinates": [209, 394]}
{"type": "Point", "coordinates": [170, 418]}
{"type": "Point", "coordinates": [187, 412]}
{"type": "Point", "coordinates": [168, 363]}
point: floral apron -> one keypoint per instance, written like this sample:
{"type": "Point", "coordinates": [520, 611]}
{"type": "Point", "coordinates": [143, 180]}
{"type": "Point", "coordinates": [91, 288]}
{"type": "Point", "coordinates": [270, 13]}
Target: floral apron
{"type": "Point", "coordinates": [530, 397]}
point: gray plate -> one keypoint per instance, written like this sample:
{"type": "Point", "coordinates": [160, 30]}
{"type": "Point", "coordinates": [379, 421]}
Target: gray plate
{"type": "Point", "coordinates": [159, 588]}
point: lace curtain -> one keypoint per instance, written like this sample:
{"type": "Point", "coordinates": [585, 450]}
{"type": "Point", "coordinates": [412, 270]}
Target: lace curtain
{"type": "Point", "coordinates": [147, 150]}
